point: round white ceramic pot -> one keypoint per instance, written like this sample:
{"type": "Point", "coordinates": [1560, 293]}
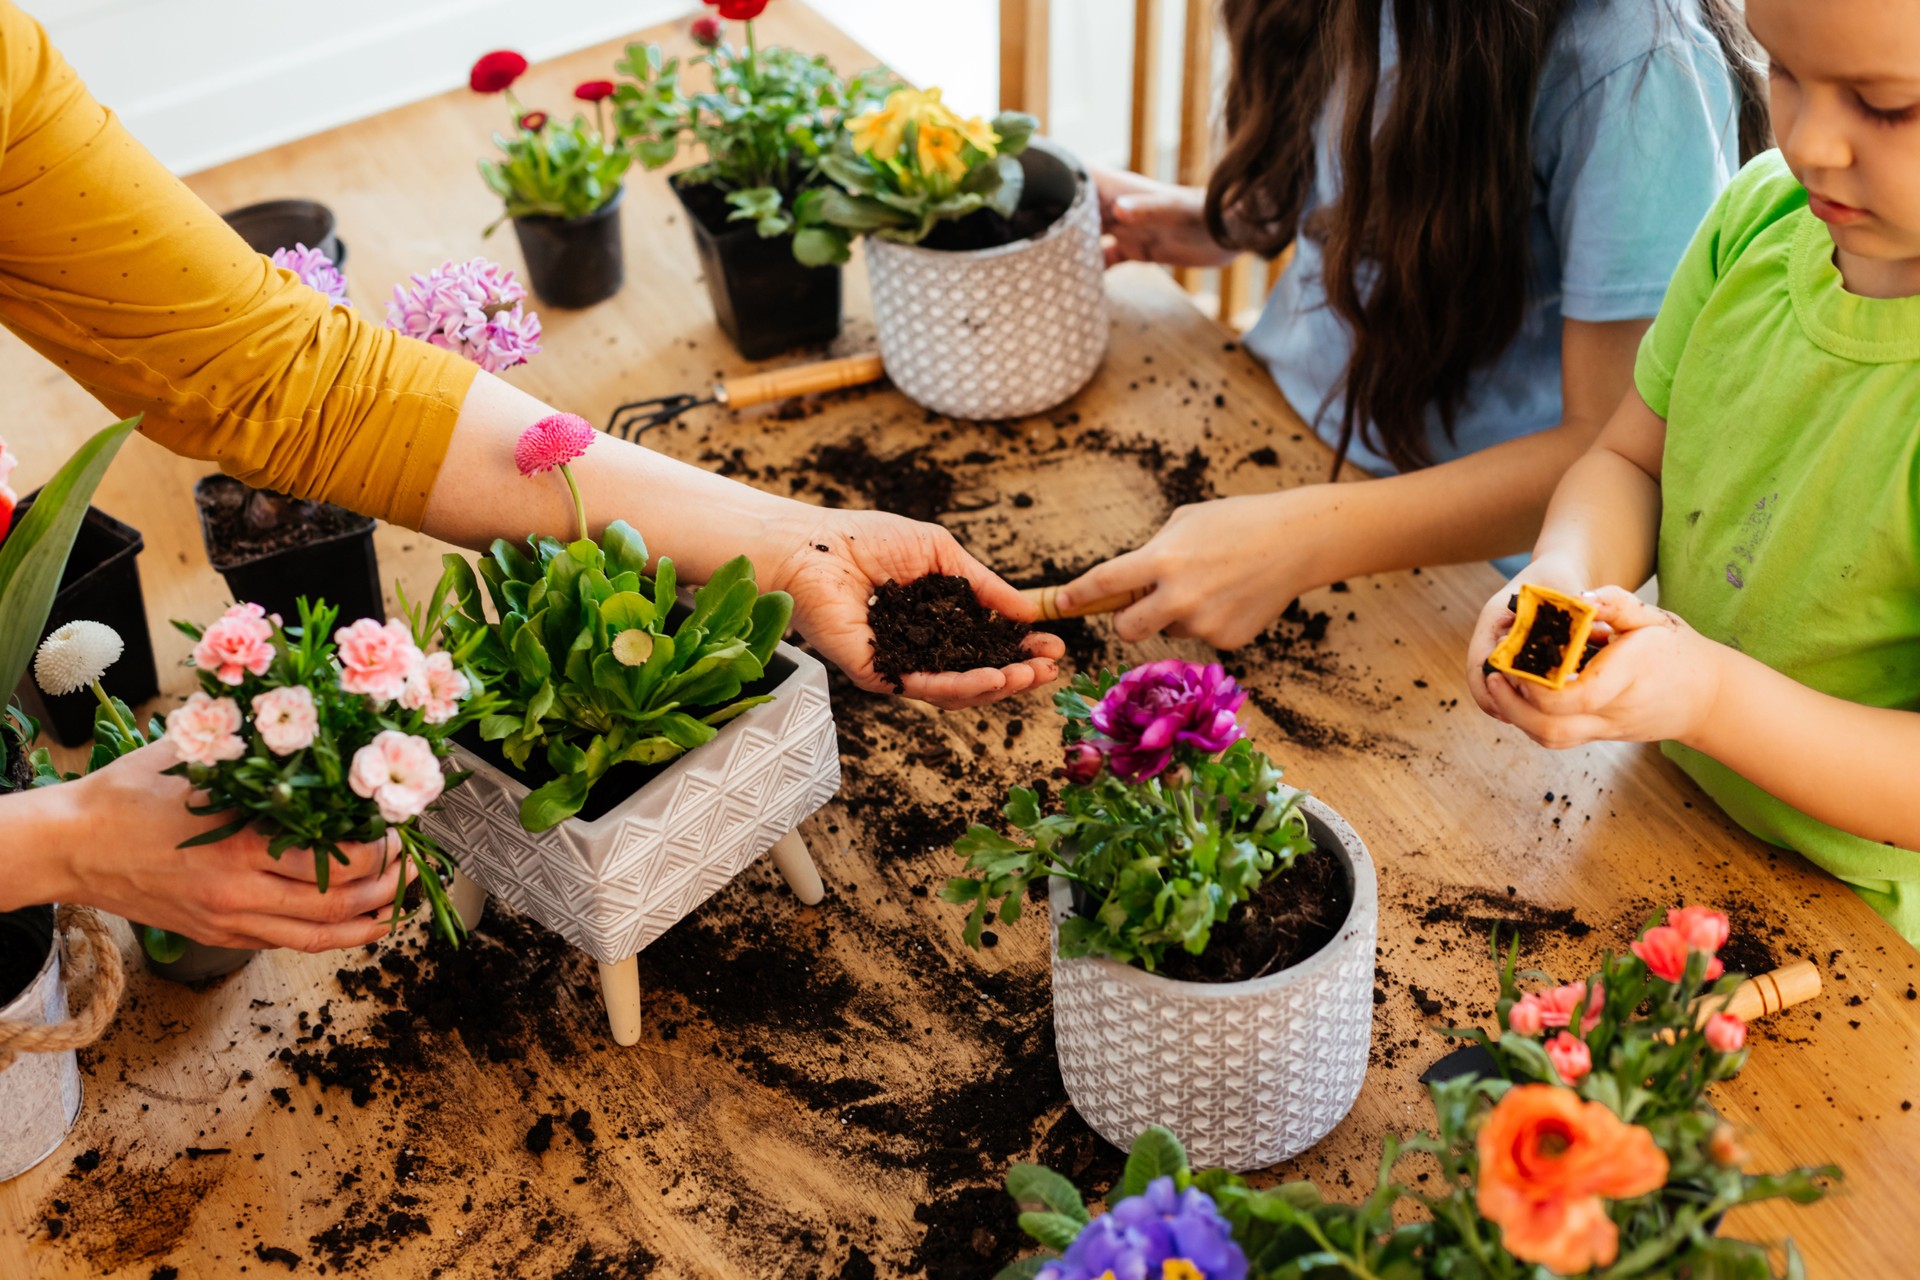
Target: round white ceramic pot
{"type": "Point", "coordinates": [1002, 332]}
{"type": "Point", "coordinates": [1245, 1074]}
{"type": "Point", "coordinates": [40, 1092]}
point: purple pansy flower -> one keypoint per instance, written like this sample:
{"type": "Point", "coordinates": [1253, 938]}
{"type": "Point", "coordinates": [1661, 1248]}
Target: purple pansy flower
{"type": "Point", "coordinates": [1148, 1236]}
{"type": "Point", "coordinates": [316, 270]}
{"type": "Point", "coordinates": [471, 308]}
{"type": "Point", "coordinates": [1162, 706]}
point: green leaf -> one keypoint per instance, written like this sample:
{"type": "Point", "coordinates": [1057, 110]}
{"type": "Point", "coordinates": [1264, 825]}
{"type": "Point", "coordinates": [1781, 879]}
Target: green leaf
{"type": "Point", "coordinates": [34, 555]}
{"type": "Point", "coordinates": [1156, 1154]}
{"type": "Point", "coordinates": [1016, 129]}
{"type": "Point", "coordinates": [548, 806]}
{"type": "Point", "coordinates": [626, 549]}
{"type": "Point", "coordinates": [1037, 1184]}
{"type": "Point", "coordinates": [627, 611]}
{"type": "Point", "coordinates": [1056, 1231]}
{"type": "Point", "coordinates": [772, 615]}
{"type": "Point", "coordinates": [1024, 1268]}
{"type": "Point", "coordinates": [529, 655]}
{"type": "Point", "coordinates": [684, 731]}
{"type": "Point", "coordinates": [736, 708]}
{"type": "Point", "coordinates": [824, 247]}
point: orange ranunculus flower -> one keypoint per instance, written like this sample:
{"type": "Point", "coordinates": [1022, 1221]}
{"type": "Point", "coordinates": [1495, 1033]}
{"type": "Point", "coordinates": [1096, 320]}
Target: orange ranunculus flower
{"type": "Point", "coordinates": [1547, 1162]}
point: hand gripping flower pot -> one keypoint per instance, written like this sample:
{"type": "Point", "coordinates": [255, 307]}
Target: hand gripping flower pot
{"type": "Point", "coordinates": [612, 884]}
{"type": "Point", "coordinates": [1002, 332]}
{"type": "Point", "coordinates": [101, 582]}
{"type": "Point", "coordinates": [1246, 1074]}
{"type": "Point", "coordinates": [39, 1068]}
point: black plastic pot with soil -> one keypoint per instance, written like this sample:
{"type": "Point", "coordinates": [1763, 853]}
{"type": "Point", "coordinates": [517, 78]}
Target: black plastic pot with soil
{"type": "Point", "coordinates": [101, 583]}
{"type": "Point", "coordinates": [26, 939]}
{"type": "Point", "coordinates": [273, 549]}
{"type": "Point", "coordinates": [282, 224]}
{"type": "Point", "coordinates": [765, 301]}
{"type": "Point", "coordinates": [574, 262]}
{"type": "Point", "coordinates": [936, 624]}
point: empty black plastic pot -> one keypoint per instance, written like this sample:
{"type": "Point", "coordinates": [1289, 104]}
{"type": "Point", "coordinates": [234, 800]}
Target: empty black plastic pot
{"type": "Point", "coordinates": [101, 584]}
{"type": "Point", "coordinates": [765, 300]}
{"type": "Point", "coordinates": [340, 568]}
{"type": "Point", "coordinates": [574, 262]}
{"type": "Point", "coordinates": [282, 224]}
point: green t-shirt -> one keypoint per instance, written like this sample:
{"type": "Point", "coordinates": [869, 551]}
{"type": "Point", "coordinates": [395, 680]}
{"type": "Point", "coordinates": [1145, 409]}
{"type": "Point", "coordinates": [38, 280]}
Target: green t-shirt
{"type": "Point", "coordinates": [1790, 489]}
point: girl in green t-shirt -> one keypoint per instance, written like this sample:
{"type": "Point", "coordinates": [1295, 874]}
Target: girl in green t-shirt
{"type": "Point", "coordinates": [1767, 466]}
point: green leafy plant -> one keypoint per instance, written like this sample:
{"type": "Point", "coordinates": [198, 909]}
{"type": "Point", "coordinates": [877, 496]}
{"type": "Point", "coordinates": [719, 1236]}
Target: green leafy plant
{"type": "Point", "coordinates": [906, 166]}
{"type": "Point", "coordinates": [770, 118]}
{"type": "Point", "coordinates": [551, 169]}
{"type": "Point", "coordinates": [1163, 846]}
{"type": "Point", "coordinates": [1627, 1174]}
{"type": "Point", "coordinates": [593, 667]}
{"type": "Point", "coordinates": [17, 732]}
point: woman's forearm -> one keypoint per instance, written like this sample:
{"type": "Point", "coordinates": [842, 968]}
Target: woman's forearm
{"type": "Point", "coordinates": [697, 518]}
{"type": "Point", "coordinates": [1850, 766]}
{"type": "Point", "coordinates": [42, 828]}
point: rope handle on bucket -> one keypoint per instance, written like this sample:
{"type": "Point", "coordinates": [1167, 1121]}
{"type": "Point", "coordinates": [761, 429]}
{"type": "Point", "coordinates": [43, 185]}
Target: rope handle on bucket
{"type": "Point", "coordinates": [109, 983]}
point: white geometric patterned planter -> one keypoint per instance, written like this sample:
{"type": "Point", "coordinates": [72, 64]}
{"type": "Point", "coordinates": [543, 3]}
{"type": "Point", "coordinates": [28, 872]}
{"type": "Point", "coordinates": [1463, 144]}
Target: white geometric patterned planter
{"type": "Point", "coordinates": [1246, 1074]}
{"type": "Point", "coordinates": [613, 885]}
{"type": "Point", "coordinates": [1002, 332]}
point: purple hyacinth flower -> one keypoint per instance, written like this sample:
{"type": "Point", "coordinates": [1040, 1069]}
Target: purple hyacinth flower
{"type": "Point", "coordinates": [471, 308]}
{"type": "Point", "coordinates": [1162, 706]}
{"type": "Point", "coordinates": [316, 271]}
{"type": "Point", "coordinates": [1144, 1233]}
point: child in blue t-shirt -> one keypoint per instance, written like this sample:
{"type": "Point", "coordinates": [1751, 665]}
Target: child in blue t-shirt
{"type": "Point", "coordinates": [1768, 467]}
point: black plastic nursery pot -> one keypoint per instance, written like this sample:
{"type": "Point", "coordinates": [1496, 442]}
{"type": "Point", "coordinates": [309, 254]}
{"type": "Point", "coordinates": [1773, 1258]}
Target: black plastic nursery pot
{"type": "Point", "coordinates": [338, 566]}
{"type": "Point", "coordinates": [766, 302]}
{"type": "Point", "coordinates": [282, 224]}
{"type": "Point", "coordinates": [198, 963]}
{"type": "Point", "coordinates": [575, 262]}
{"type": "Point", "coordinates": [101, 584]}
{"type": "Point", "coordinates": [26, 939]}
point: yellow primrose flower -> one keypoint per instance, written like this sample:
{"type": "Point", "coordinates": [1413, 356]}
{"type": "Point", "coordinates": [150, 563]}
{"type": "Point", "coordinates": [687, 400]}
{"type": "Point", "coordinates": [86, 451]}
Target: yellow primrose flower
{"type": "Point", "coordinates": [1180, 1269]}
{"type": "Point", "coordinates": [939, 152]}
{"type": "Point", "coordinates": [981, 135]}
{"type": "Point", "coordinates": [879, 132]}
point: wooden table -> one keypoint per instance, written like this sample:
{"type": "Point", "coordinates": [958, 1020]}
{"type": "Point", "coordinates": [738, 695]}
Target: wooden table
{"type": "Point", "coordinates": [834, 1091]}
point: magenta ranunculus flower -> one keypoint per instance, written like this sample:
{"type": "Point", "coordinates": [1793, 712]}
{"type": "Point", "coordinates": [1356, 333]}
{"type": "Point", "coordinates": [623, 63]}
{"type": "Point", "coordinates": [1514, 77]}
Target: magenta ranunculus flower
{"type": "Point", "coordinates": [1162, 706]}
{"type": "Point", "coordinates": [316, 271]}
{"type": "Point", "coordinates": [471, 308]}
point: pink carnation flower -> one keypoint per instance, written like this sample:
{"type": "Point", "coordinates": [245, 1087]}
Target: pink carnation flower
{"type": "Point", "coordinates": [286, 718]}
{"type": "Point", "coordinates": [1702, 928]}
{"type": "Point", "coordinates": [206, 731]}
{"type": "Point", "coordinates": [471, 308]}
{"type": "Point", "coordinates": [435, 689]}
{"type": "Point", "coordinates": [1726, 1033]}
{"type": "Point", "coordinates": [1554, 1007]}
{"type": "Point", "coordinates": [1570, 1057]}
{"type": "Point", "coordinates": [316, 271]}
{"type": "Point", "coordinates": [377, 658]}
{"type": "Point", "coordinates": [1664, 950]}
{"type": "Point", "coordinates": [238, 642]}
{"type": "Point", "coordinates": [399, 773]}
{"type": "Point", "coordinates": [554, 441]}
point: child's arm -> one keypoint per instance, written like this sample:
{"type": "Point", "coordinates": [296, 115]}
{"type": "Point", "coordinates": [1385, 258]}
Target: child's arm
{"type": "Point", "coordinates": [1847, 765]}
{"type": "Point", "coordinates": [1601, 526]}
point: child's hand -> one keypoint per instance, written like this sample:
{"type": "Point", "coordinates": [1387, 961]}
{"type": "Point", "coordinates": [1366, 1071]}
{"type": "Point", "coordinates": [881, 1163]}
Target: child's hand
{"type": "Point", "coordinates": [1654, 681]}
{"type": "Point", "coordinates": [1143, 220]}
{"type": "Point", "coordinates": [1496, 620]}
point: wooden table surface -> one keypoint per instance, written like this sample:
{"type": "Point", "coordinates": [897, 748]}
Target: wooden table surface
{"type": "Point", "coordinates": [834, 1091]}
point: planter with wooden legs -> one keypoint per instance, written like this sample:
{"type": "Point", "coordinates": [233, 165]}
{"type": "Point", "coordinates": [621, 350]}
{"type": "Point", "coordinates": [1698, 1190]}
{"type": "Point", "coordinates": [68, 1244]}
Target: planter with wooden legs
{"type": "Point", "coordinates": [613, 882]}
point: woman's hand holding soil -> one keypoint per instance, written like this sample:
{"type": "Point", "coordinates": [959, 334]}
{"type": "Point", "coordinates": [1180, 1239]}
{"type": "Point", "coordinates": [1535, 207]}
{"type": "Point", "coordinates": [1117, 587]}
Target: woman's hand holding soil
{"type": "Point", "coordinates": [1219, 571]}
{"type": "Point", "coordinates": [842, 558]}
{"type": "Point", "coordinates": [1142, 220]}
{"type": "Point", "coordinates": [111, 840]}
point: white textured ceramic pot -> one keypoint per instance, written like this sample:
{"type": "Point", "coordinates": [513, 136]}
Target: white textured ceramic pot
{"type": "Point", "coordinates": [1002, 332]}
{"type": "Point", "coordinates": [613, 885]}
{"type": "Point", "coordinates": [1246, 1074]}
{"type": "Point", "coordinates": [40, 1092]}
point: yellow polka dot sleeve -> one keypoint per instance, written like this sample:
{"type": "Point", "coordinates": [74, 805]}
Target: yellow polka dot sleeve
{"type": "Point", "coordinates": [117, 273]}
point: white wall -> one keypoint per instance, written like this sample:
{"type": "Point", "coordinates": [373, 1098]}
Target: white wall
{"type": "Point", "coordinates": [203, 81]}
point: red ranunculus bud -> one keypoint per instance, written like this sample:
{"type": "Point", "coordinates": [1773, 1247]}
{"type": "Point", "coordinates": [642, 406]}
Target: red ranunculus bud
{"type": "Point", "coordinates": [593, 90]}
{"type": "Point", "coordinates": [496, 71]}
{"type": "Point", "coordinates": [1084, 763]}
{"type": "Point", "coordinates": [739, 10]}
{"type": "Point", "coordinates": [534, 121]}
{"type": "Point", "coordinates": [706, 31]}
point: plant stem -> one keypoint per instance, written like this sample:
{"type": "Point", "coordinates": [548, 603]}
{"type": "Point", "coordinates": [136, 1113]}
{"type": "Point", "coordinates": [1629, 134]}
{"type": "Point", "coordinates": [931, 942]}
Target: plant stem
{"type": "Point", "coordinates": [579, 503]}
{"type": "Point", "coordinates": [114, 712]}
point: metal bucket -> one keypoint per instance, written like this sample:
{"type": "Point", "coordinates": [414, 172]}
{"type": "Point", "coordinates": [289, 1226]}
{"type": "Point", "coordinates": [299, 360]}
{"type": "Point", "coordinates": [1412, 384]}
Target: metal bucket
{"type": "Point", "coordinates": [40, 1092]}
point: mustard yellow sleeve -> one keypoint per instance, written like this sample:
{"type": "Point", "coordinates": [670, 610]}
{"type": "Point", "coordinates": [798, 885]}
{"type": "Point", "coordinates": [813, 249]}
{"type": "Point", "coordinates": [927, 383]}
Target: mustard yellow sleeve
{"type": "Point", "coordinates": [117, 273]}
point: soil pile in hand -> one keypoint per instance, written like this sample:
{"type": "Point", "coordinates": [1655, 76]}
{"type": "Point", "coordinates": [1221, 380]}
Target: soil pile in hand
{"type": "Point", "coordinates": [935, 624]}
{"type": "Point", "coordinates": [1547, 639]}
{"type": "Point", "coordinates": [1286, 920]}
{"type": "Point", "coordinates": [245, 525]}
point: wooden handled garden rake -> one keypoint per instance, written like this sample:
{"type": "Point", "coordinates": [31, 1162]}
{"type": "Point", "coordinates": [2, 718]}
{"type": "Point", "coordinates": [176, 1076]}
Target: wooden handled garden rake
{"type": "Point", "coordinates": [633, 420]}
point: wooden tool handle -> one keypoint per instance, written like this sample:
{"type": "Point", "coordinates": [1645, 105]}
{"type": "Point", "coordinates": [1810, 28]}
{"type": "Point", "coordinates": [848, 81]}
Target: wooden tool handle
{"type": "Point", "coordinates": [1765, 993]}
{"type": "Point", "coordinates": [800, 380]}
{"type": "Point", "coordinates": [1048, 601]}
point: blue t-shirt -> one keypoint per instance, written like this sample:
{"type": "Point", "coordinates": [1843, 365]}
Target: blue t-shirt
{"type": "Point", "coordinates": [1635, 133]}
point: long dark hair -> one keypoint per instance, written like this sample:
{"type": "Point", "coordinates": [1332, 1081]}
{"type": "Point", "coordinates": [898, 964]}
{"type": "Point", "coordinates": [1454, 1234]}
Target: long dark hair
{"type": "Point", "coordinates": [1437, 186]}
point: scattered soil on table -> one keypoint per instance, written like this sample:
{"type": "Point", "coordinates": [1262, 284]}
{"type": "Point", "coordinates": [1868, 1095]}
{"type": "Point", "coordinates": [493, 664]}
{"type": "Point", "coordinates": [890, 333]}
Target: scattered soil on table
{"type": "Point", "coordinates": [936, 624]}
{"type": "Point", "coordinates": [989, 228]}
{"type": "Point", "coordinates": [126, 1208]}
{"type": "Point", "coordinates": [909, 483]}
{"type": "Point", "coordinates": [1476, 912]}
{"type": "Point", "coordinates": [1287, 919]}
{"type": "Point", "coordinates": [244, 524]}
